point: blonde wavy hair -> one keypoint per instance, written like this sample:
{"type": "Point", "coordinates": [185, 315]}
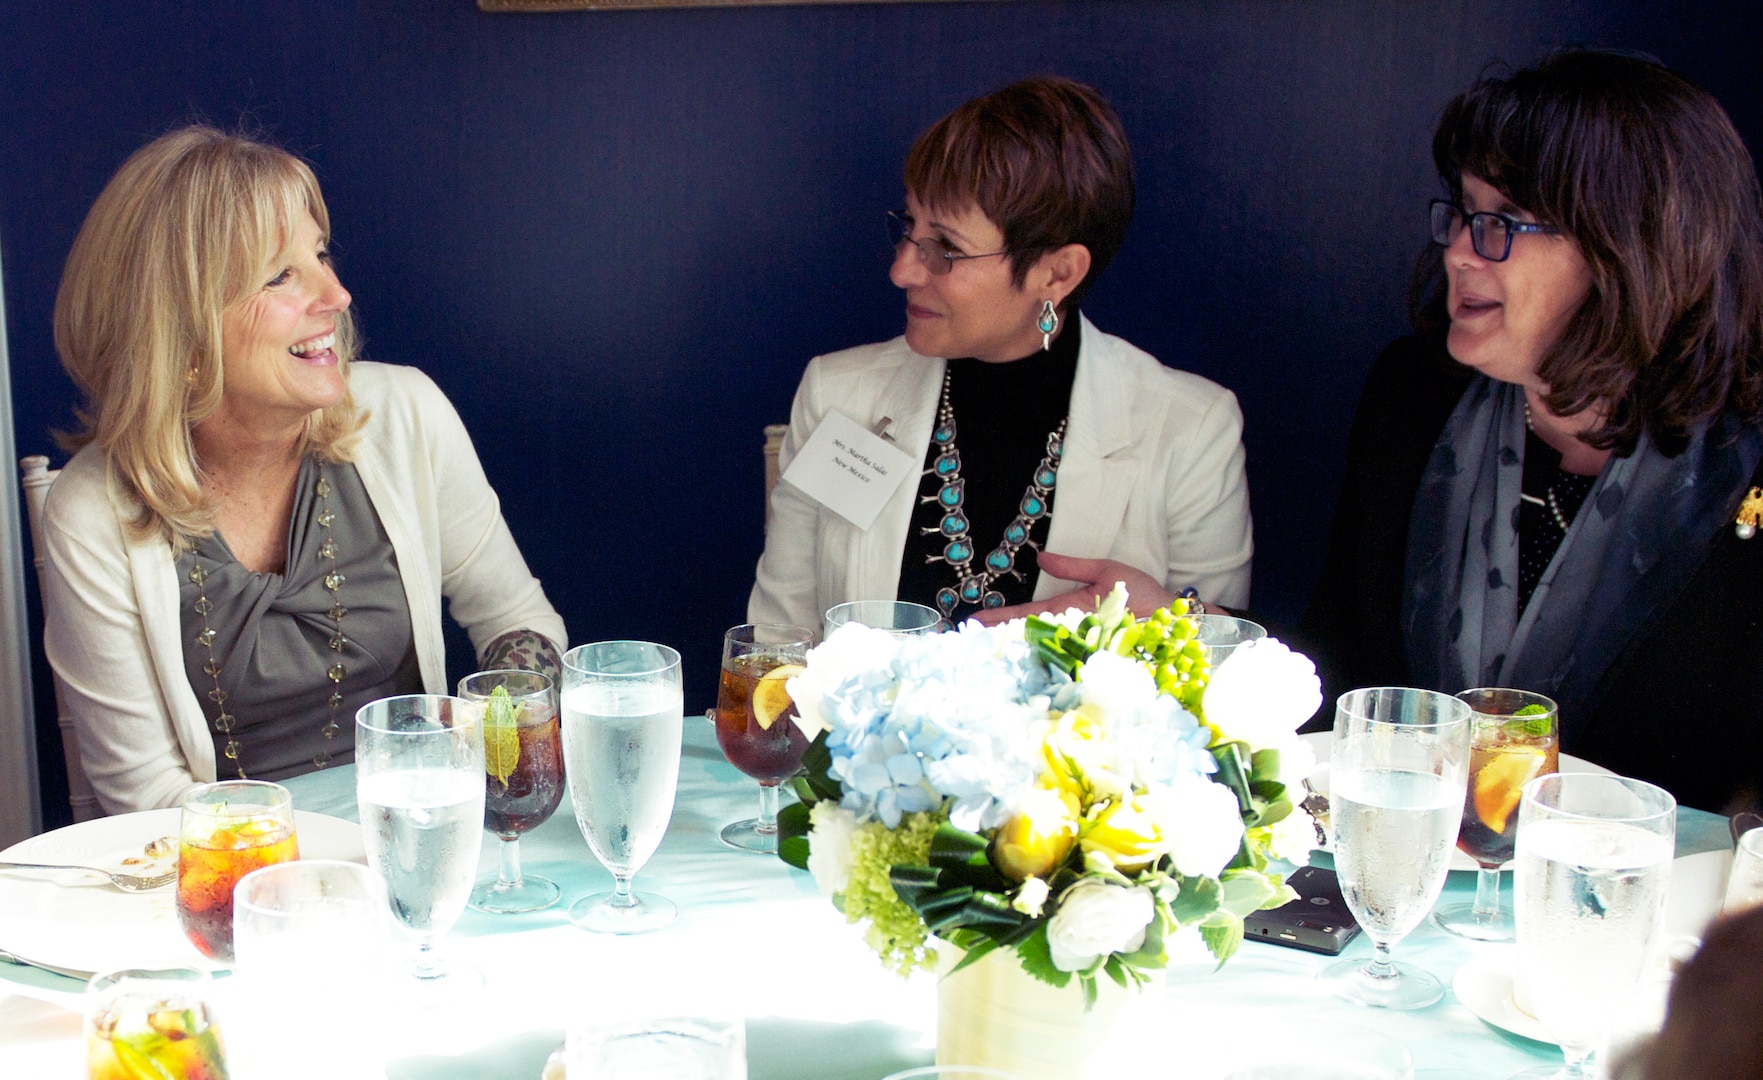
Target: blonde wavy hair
{"type": "Point", "coordinates": [179, 235]}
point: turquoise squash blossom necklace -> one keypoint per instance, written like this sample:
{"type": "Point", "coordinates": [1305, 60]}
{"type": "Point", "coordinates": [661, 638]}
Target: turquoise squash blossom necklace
{"type": "Point", "coordinates": [974, 586]}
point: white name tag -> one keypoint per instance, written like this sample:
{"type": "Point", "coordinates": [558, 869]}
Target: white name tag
{"type": "Point", "coordinates": [849, 470]}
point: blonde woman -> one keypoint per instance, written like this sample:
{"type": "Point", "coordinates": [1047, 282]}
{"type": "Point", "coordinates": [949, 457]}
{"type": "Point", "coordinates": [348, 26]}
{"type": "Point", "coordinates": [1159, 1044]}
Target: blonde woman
{"type": "Point", "coordinates": [257, 532]}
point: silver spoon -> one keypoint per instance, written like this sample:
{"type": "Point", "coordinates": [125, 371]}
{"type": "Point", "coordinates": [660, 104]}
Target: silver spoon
{"type": "Point", "coordinates": [125, 882]}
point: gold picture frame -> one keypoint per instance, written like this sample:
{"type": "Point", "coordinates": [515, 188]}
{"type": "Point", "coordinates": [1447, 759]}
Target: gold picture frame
{"type": "Point", "coordinates": [629, 5]}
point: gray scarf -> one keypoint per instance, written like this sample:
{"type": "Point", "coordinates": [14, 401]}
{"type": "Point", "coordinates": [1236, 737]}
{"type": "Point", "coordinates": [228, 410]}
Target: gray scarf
{"type": "Point", "coordinates": [1644, 528]}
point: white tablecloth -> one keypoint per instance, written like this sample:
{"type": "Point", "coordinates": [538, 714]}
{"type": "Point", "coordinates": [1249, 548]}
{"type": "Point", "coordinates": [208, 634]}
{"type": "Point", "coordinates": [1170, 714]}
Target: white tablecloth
{"type": "Point", "coordinates": [755, 936]}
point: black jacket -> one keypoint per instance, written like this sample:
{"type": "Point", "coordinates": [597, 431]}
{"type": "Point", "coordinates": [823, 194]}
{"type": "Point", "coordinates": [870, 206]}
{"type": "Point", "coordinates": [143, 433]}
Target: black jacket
{"type": "Point", "coordinates": [1682, 707]}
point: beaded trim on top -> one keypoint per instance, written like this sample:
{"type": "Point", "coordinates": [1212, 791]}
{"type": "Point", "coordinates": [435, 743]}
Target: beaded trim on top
{"type": "Point", "coordinates": [971, 586]}
{"type": "Point", "coordinates": [224, 721]}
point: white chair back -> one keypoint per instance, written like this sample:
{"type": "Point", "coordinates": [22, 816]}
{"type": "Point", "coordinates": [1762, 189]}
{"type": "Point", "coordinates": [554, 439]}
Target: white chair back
{"type": "Point", "coordinates": [774, 442]}
{"type": "Point", "coordinates": [37, 478]}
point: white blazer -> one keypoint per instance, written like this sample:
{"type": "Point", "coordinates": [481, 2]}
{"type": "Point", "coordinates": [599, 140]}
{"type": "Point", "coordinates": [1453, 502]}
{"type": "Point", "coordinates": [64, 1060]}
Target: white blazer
{"type": "Point", "coordinates": [1152, 477]}
{"type": "Point", "coordinates": [111, 611]}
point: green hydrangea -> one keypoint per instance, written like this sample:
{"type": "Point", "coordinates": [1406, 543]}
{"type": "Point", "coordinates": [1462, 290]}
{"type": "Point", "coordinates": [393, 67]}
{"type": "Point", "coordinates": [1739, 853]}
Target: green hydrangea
{"type": "Point", "coordinates": [896, 932]}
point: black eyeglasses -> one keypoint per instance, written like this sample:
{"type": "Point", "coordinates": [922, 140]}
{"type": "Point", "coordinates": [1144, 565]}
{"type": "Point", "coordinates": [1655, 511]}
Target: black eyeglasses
{"type": "Point", "coordinates": [936, 255]}
{"type": "Point", "coordinates": [1489, 233]}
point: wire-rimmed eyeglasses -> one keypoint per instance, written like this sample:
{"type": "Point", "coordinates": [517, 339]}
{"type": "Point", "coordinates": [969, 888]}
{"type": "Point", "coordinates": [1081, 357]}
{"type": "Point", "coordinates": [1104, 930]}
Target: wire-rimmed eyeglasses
{"type": "Point", "coordinates": [1489, 233]}
{"type": "Point", "coordinates": [936, 255]}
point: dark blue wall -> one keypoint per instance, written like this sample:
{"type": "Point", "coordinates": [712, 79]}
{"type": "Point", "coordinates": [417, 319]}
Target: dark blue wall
{"type": "Point", "coordinates": [615, 238]}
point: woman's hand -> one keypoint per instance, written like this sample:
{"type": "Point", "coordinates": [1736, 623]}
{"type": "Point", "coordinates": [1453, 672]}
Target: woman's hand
{"type": "Point", "coordinates": [1144, 593]}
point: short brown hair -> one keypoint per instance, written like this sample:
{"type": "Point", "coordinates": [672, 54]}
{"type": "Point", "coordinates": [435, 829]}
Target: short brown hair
{"type": "Point", "coordinates": [1644, 171]}
{"type": "Point", "coordinates": [175, 238]}
{"type": "Point", "coordinates": [1045, 159]}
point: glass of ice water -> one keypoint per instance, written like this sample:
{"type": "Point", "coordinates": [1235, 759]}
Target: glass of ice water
{"type": "Point", "coordinates": [621, 746]}
{"type": "Point", "coordinates": [419, 784]}
{"type": "Point", "coordinates": [1594, 863]}
{"type": "Point", "coordinates": [1398, 770]}
{"type": "Point", "coordinates": [902, 618]}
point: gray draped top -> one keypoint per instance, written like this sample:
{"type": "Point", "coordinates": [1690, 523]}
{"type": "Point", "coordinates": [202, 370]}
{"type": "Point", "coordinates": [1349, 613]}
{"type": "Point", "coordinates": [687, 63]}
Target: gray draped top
{"type": "Point", "coordinates": [273, 632]}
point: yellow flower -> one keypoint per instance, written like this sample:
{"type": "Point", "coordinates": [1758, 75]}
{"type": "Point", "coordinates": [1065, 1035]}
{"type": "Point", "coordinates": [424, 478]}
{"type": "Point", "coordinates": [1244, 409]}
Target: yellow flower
{"type": "Point", "coordinates": [1132, 832]}
{"type": "Point", "coordinates": [1079, 758]}
{"type": "Point", "coordinates": [1035, 841]}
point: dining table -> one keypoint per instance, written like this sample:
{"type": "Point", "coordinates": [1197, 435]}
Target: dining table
{"type": "Point", "coordinates": [756, 939]}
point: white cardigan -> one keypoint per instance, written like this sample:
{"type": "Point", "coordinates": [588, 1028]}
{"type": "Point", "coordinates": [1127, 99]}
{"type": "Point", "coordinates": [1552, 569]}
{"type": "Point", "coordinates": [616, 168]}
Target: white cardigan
{"type": "Point", "coordinates": [112, 625]}
{"type": "Point", "coordinates": [1152, 477]}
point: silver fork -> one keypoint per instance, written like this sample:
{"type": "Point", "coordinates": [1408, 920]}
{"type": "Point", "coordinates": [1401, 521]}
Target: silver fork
{"type": "Point", "coordinates": [125, 882]}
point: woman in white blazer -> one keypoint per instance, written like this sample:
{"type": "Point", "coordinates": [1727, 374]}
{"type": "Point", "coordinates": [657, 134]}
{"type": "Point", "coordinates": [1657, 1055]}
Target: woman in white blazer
{"type": "Point", "coordinates": [256, 536]}
{"type": "Point", "coordinates": [1056, 459]}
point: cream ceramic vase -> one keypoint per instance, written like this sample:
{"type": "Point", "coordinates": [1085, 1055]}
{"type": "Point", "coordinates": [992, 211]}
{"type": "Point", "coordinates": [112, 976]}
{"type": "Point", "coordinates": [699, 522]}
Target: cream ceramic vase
{"type": "Point", "coordinates": [994, 1013]}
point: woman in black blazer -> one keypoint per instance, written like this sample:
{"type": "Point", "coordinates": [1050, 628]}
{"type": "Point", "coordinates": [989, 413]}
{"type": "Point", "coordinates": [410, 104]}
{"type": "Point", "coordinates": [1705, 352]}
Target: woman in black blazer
{"type": "Point", "coordinates": [1543, 483]}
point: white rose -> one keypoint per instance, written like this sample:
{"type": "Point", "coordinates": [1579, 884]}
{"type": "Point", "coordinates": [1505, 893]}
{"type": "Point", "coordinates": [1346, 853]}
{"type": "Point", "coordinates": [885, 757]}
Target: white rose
{"type": "Point", "coordinates": [1115, 684]}
{"type": "Point", "coordinates": [1292, 837]}
{"type": "Point", "coordinates": [1262, 692]}
{"type": "Point", "coordinates": [829, 846]}
{"type": "Point", "coordinates": [1211, 826]}
{"type": "Point", "coordinates": [1096, 919]}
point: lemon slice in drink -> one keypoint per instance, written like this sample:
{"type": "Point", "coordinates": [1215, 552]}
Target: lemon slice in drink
{"type": "Point", "coordinates": [1501, 781]}
{"type": "Point", "coordinates": [770, 699]}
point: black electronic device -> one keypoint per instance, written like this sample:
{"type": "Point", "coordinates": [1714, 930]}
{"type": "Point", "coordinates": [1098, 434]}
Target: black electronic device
{"type": "Point", "coordinates": [1318, 920]}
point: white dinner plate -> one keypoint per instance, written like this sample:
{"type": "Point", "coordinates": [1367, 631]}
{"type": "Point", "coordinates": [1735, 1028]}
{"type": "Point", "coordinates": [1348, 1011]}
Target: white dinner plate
{"type": "Point", "coordinates": [82, 921]}
{"type": "Point", "coordinates": [1484, 986]}
{"type": "Point", "coordinates": [1322, 742]}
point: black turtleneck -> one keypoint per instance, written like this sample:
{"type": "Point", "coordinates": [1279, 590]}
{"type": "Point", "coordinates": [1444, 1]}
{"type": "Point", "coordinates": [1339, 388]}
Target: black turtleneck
{"type": "Point", "coordinates": [1003, 415]}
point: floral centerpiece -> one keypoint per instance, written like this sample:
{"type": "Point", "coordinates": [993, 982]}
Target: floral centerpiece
{"type": "Point", "coordinates": [1074, 788]}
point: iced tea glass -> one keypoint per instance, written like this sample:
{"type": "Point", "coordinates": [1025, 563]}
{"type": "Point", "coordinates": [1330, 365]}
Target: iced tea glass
{"type": "Point", "coordinates": [523, 777]}
{"type": "Point", "coordinates": [152, 1024]}
{"type": "Point", "coordinates": [228, 830]}
{"type": "Point", "coordinates": [1514, 738]}
{"type": "Point", "coordinates": [756, 720]}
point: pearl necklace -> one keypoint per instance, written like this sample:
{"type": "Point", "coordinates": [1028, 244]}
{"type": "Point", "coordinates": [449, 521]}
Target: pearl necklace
{"type": "Point", "coordinates": [224, 721]}
{"type": "Point", "coordinates": [1552, 503]}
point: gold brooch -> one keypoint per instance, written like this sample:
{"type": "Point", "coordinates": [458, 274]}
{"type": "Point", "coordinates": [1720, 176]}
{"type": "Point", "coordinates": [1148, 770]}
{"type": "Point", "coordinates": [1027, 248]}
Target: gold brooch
{"type": "Point", "coordinates": [1750, 514]}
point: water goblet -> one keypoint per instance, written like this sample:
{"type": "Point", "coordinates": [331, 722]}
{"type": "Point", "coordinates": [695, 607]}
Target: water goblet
{"type": "Point", "coordinates": [1397, 776]}
{"type": "Point", "coordinates": [226, 830]}
{"type": "Point", "coordinates": [902, 618]}
{"type": "Point", "coordinates": [419, 784]}
{"type": "Point", "coordinates": [151, 1023]}
{"type": "Point", "coordinates": [622, 725]}
{"type": "Point", "coordinates": [1744, 889]}
{"type": "Point", "coordinates": [1512, 741]}
{"type": "Point", "coordinates": [1222, 634]}
{"type": "Point", "coordinates": [1594, 863]}
{"type": "Point", "coordinates": [523, 778]}
{"type": "Point", "coordinates": [756, 720]}
{"type": "Point", "coordinates": [311, 938]}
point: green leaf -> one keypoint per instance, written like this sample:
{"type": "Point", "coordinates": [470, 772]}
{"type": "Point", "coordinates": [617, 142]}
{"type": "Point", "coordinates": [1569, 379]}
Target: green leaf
{"type": "Point", "coordinates": [1036, 958]}
{"type": "Point", "coordinates": [981, 946]}
{"type": "Point", "coordinates": [501, 735]}
{"type": "Point", "coordinates": [792, 835]}
{"type": "Point", "coordinates": [1222, 933]}
{"type": "Point", "coordinates": [1199, 898]}
{"type": "Point", "coordinates": [1247, 890]}
{"type": "Point", "coordinates": [1089, 985]}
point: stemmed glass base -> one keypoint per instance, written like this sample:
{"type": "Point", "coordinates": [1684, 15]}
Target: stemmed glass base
{"type": "Point", "coordinates": [1464, 921]}
{"type": "Point", "coordinates": [630, 913]}
{"type": "Point", "coordinates": [1383, 984]}
{"type": "Point", "coordinates": [751, 835]}
{"type": "Point", "coordinates": [436, 983]}
{"type": "Point", "coordinates": [1483, 919]}
{"type": "Point", "coordinates": [498, 897]}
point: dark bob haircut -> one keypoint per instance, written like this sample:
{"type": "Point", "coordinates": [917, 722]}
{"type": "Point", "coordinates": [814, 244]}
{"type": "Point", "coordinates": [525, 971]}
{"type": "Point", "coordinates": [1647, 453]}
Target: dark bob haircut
{"type": "Point", "coordinates": [1045, 159]}
{"type": "Point", "coordinates": [1644, 172]}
